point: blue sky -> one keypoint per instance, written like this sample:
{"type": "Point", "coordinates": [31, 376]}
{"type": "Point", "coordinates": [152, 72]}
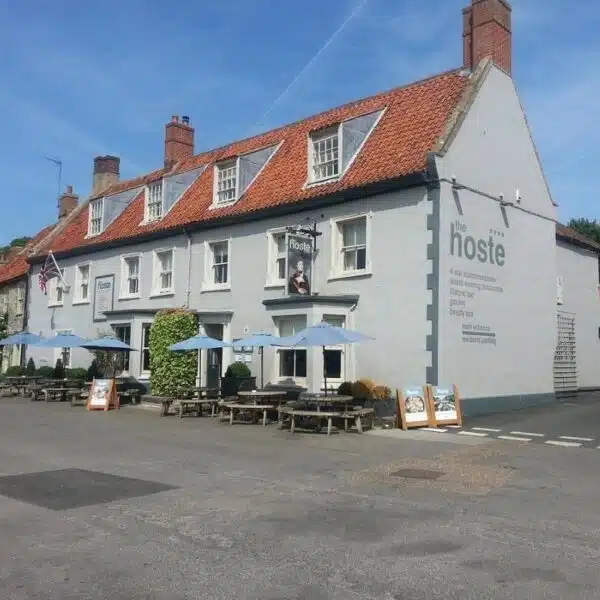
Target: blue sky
{"type": "Point", "coordinates": [82, 79]}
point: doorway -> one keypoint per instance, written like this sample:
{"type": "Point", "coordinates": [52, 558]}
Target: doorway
{"type": "Point", "coordinates": [214, 356]}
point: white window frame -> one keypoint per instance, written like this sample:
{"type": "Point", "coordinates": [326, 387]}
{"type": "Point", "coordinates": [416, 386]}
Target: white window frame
{"type": "Point", "coordinates": [61, 352]}
{"type": "Point", "coordinates": [156, 274]}
{"type": "Point", "coordinates": [158, 200]}
{"type": "Point", "coordinates": [97, 202]}
{"type": "Point", "coordinates": [334, 382]}
{"type": "Point", "coordinates": [124, 293]}
{"type": "Point", "coordinates": [144, 374]}
{"type": "Point", "coordinates": [318, 136]}
{"type": "Point", "coordinates": [19, 302]}
{"type": "Point", "coordinates": [209, 285]}
{"type": "Point", "coordinates": [278, 352]}
{"type": "Point", "coordinates": [220, 167]}
{"type": "Point", "coordinates": [55, 284]}
{"type": "Point", "coordinates": [77, 297]}
{"type": "Point", "coordinates": [273, 256]}
{"type": "Point", "coordinates": [337, 264]}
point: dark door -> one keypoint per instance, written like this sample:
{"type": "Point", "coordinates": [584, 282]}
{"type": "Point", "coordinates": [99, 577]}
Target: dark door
{"type": "Point", "coordinates": [214, 357]}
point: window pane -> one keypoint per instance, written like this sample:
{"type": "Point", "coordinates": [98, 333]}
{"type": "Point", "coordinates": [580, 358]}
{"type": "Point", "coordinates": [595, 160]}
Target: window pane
{"type": "Point", "coordinates": [286, 363]}
{"type": "Point", "coordinates": [280, 243]}
{"type": "Point", "coordinates": [281, 268]}
{"type": "Point", "coordinates": [361, 258]}
{"type": "Point", "coordinates": [333, 364]}
{"type": "Point", "coordinates": [300, 363]}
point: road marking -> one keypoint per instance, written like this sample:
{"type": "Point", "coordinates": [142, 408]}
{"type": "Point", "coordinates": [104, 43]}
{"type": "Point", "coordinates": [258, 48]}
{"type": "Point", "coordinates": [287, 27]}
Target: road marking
{"type": "Point", "coordinates": [575, 439]}
{"type": "Point", "coordinates": [510, 438]}
{"type": "Point", "coordinates": [454, 426]}
{"type": "Point", "coordinates": [563, 444]}
{"type": "Point", "coordinates": [528, 433]}
{"type": "Point", "coordinates": [473, 433]}
{"type": "Point", "coordinates": [435, 429]}
{"type": "Point", "coordinates": [486, 429]}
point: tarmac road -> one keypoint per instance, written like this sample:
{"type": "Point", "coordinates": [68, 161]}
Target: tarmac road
{"type": "Point", "coordinates": [128, 506]}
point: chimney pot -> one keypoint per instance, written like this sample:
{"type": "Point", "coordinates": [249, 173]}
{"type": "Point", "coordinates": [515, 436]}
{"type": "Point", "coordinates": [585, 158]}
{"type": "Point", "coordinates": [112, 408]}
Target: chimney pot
{"type": "Point", "coordinates": [487, 33]}
{"type": "Point", "coordinates": [179, 141]}
{"type": "Point", "coordinates": [67, 203]}
{"type": "Point", "coordinates": [106, 173]}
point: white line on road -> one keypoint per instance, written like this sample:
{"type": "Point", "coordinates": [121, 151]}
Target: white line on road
{"type": "Point", "coordinates": [575, 439]}
{"type": "Point", "coordinates": [563, 444]}
{"type": "Point", "coordinates": [486, 429]}
{"type": "Point", "coordinates": [528, 433]}
{"type": "Point", "coordinates": [435, 429]}
{"type": "Point", "coordinates": [511, 438]}
{"type": "Point", "coordinates": [454, 426]}
{"type": "Point", "coordinates": [473, 433]}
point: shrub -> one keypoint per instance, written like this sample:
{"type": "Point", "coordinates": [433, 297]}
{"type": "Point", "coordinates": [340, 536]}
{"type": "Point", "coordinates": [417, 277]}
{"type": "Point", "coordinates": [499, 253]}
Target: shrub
{"type": "Point", "coordinates": [172, 373]}
{"type": "Point", "coordinates": [30, 368]}
{"type": "Point", "coordinates": [15, 371]}
{"type": "Point", "coordinates": [345, 389]}
{"type": "Point", "coordinates": [59, 370]}
{"type": "Point", "coordinates": [381, 392]}
{"type": "Point", "coordinates": [361, 389]}
{"type": "Point", "coordinates": [239, 370]}
{"type": "Point", "coordinates": [93, 371]}
{"type": "Point", "coordinates": [77, 373]}
{"type": "Point", "coordinates": [45, 371]}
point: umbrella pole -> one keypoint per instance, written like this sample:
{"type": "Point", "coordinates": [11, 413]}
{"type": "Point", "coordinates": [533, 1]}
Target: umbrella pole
{"type": "Point", "coordinates": [262, 367]}
{"type": "Point", "coordinates": [324, 370]}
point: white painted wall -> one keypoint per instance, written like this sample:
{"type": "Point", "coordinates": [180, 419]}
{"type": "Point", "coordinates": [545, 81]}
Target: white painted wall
{"type": "Point", "coordinates": [579, 271]}
{"type": "Point", "coordinates": [493, 153]}
{"type": "Point", "coordinates": [391, 308]}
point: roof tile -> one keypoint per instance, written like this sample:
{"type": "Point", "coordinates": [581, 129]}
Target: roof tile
{"type": "Point", "coordinates": [413, 120]}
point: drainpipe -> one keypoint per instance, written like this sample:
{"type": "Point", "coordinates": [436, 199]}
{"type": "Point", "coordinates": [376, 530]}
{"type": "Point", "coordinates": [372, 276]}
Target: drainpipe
{"type": "Point", "coordinates": [188, 291]}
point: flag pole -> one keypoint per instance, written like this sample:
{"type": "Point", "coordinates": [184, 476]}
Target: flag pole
{"type": "Point", "coordinates": [65, 286]}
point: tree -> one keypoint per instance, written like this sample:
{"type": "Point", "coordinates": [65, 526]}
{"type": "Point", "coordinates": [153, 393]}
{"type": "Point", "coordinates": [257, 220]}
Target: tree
{"type": "Point", "coordinates": [30, 368]}
{"type": "Point", "coordinates": [59, 370]}
{"type": "Point", "coordinates": [172, 373]}
{"type": "Point", "coordinates": [587, 227]}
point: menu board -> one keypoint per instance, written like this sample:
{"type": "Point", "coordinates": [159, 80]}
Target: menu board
{"type": "Point", "coordinates": [103, 395]}
{"type": "Point", "coordinates": [445, 405]}
{"type": "Point", "coordinates": [414, 407]}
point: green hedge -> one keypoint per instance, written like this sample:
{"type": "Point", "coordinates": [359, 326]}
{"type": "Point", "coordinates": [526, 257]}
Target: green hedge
{"type": "Point", "coordinates": [172, 373]}
{"type": "Point", "coordinates": [15, 371]}
{"type": "Point", "coordinates": [45, 371]}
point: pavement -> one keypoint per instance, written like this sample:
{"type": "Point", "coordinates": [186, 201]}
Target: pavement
{"type": "Point", "coordinates": [572, 423]}
{"type": "Point", "coordinates": [128, 506]}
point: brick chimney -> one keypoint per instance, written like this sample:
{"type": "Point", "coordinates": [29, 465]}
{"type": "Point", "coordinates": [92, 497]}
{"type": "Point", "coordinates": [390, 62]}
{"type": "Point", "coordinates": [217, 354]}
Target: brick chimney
{"type": "Point", "coordinates": [488, 33]}
{"type": "Point", "coordinates": [179, 140]}
{"type": "Point", "coordinates": [106, 173]}
{"type": "Point", "coordinates": [67, 203]}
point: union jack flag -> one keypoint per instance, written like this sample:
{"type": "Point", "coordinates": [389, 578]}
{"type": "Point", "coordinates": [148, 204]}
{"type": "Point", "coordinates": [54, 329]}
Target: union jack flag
{"type": "Point", "coordinates": [48, 272]}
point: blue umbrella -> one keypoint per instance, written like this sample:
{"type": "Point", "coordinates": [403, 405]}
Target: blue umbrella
{"type": "Point", "coordinates": [108, 343]}
{"type": "Point", "coordinates": [261, 341]}
{"type": "Point", "coordinates": [198, 342]}
{"type": "Point", "coordinates": [322, 334]}
{"type": "Point", "coordinates": [22, 338]}
{"type": "Point", "coordinates": [63, 340]}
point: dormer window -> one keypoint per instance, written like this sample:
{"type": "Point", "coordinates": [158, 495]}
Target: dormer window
{"type": "Point", "coordinates": [96, 216]}
{"type": "Point", "coordinates": [325, 158]}
{"type": "Point", "coordinates": [227, 182]}
{"type": "Point", "coordinates": [331, 151]}
{"type": "Point", "coordinates": [154, 201]}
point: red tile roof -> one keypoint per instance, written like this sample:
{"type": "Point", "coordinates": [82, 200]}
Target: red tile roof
{"type": "Point", "coordinates": [18, 267]}
{"type": "Point", "coordinates": [414, 119]}
{"type": "Point", "coordinates": [572, 236]}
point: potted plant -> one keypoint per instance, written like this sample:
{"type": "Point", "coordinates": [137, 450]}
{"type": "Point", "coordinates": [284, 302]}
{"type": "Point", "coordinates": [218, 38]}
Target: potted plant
{"type": "Point", "coordinates": [383, 402]}
{"type": "Point", "coordinates": [361, 392]}
{"type": "Point", "coordinates": [237, 377]}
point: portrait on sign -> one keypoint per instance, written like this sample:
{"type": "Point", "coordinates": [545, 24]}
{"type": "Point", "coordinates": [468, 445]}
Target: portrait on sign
{"type": "Point", "coordinates": [299, 257]}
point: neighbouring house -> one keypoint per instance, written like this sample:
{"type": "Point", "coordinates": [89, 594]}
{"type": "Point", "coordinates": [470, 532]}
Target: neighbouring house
{"type": "Point", "coordinates": [420, 216]}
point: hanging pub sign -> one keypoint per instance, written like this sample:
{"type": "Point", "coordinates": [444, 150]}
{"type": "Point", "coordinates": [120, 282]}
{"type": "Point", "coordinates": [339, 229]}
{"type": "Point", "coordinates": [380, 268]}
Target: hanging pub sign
{"type": "Point", "coordinates": [299, 260]}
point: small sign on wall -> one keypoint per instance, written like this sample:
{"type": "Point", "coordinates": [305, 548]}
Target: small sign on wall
{"type": "Point", "coordinates": [104, 296]}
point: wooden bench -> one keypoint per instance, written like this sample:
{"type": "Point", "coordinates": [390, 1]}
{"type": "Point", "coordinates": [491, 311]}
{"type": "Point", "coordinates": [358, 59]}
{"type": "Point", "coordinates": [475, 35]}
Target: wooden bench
{"type": "Point", "coordinates": [198, 404]}
{"type": "Point", "coordinates": [314, 414]}
{"type": "Point", "coordinates": [357, 416]}
{"type": "Point", "coordinates": [257, 408]}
